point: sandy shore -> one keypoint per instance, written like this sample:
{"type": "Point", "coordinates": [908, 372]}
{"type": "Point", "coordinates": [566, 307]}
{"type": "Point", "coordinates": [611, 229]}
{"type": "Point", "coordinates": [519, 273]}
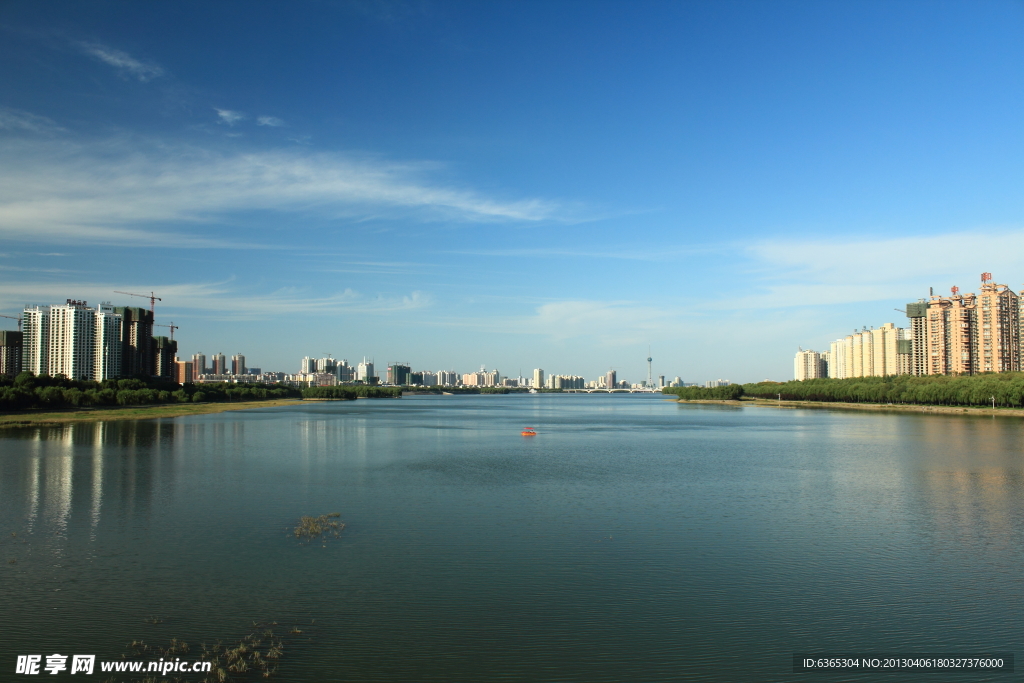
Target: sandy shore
{"type": "Point", "coordinates": [29, 418]}
{"type": "Point", "coordinates": [884, 407]}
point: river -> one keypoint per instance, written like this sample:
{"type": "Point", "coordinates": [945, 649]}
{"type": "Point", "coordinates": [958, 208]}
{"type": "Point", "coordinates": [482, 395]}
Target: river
{"type": "Point", "coordinates": [632, 539]}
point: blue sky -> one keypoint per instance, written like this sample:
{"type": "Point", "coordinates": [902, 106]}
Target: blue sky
{"type": "Point", "coordinates": [511, 184]}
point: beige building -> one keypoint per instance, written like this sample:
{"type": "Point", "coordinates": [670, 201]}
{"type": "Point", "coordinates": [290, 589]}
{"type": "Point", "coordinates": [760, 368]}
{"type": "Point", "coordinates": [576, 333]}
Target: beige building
{"type": "Point", "coordinates": [999, 341]}
{"type": "Point", "coordinates": [871, 353]}
{"type": "Point", "coordinates": [809, 365]}
{"type": "Point", "coordinates": [950, 341]}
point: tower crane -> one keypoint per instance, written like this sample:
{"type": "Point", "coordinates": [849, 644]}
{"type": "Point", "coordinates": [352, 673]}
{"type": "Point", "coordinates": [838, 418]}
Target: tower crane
{"type": "Point", "coordinates": [152, 299]}
{"type": "Point", "coordinates": [173, 328]}
{"type": "Point", "coordinates": [13, 318]}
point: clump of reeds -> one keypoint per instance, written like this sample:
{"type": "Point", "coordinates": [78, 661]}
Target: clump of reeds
{"type": "Point", "coordinates": [312, 528]}
{"type": "Point", "coordinates": [153, 620]}
{"type": "Point", "coordinates": [253, 657]}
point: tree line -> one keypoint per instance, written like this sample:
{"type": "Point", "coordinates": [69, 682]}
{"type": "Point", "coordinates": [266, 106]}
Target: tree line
{"type": "Point", "coordinates": [26, 391]}
{"type": "Point", "coordinates": [730, 392]}
{"type": "Point", "coordinates": [1007, 388]}
{"type": "Point", "coordinates": [351, 392]}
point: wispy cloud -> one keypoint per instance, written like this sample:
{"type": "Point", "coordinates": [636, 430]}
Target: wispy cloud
{"type": "Point", "coordinates": [120, 190]}
{"type": "Point", "coordinates": [819, 272]}
{"type": "Point", "coordinates": [223, 299]}
{"type": "Point", "coordinates": [126, 65]}
{"type": "Point", "coordinates": [23, 121]}
{"type": "Point", "coordinates": [229, 117]}
{"type": "Point", "coordinates": [272, 121]}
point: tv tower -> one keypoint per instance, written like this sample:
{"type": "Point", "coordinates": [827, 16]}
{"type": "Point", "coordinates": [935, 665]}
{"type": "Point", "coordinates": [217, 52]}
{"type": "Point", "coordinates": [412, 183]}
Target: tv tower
{"type": "Point", "coordinates": [650, 379]}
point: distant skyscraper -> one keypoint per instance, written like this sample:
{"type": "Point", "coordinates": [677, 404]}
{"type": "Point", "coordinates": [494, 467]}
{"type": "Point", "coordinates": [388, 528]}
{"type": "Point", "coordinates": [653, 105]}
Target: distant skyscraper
{"type": "Point", "coordinates": [199, 364]}
{"type": "Point", "coordinates": [364, 371]}
{"type": "Point", "coordinates": [238, 364]}
{"type": "Point", "coordinates": [538, 378]}
{"type": "Point", "coordinates": [219, 364]}
{"type": "Point", "coordinates": [609, 379]}
{"type": "Point", "coordinates": [183, 371]}
{"type": "Point", "coordinates": [447, 378]}
{"type": "Point", "coordinates": [398, 374]}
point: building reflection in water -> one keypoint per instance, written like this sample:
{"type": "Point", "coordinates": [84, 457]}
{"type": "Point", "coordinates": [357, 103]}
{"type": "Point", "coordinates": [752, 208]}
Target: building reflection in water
{"type": "Point", "coordinates": [69, 475]}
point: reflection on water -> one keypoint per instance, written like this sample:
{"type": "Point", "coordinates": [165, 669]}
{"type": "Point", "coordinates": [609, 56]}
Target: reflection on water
{"type": "Point", "coordinates": [632, 539]}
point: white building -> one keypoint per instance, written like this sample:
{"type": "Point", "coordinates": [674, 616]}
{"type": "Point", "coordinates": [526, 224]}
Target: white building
{"type": "Point", "coordinates": [447, 378]}
{"type": "Point", "coordinates": [107, 354]}
{"type": "Point", "coordinates": [73, 340]}
{"type": "Point", "coordinates": [538, 378]}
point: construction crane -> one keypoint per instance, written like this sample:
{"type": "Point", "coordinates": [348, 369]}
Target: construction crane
{"type": "Point", "coordinates": [13, 318]}
{"type": "Point", "coordinates": [152, 299]}
{"type": "Point", "coordinates": [173, 328]}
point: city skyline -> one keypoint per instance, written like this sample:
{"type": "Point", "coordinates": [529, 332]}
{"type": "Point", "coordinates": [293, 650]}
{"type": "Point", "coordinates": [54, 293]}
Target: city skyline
{"type": "Point", "coordinates": [521, 185]}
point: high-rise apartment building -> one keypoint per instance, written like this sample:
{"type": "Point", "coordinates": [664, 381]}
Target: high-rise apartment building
{"type": "Point", "coordinates": [73, 340]}
{"type": "Point", "coordinates": [10, 352]}
{"type": "Point", "coordinates": [868, 353]}
{"type": "Point", "coordinates": [36, 344]}
{"type": "Point", "coordinates": [199, 365]}
{"type": "Point", "coordinates": [164, 354]}
{"type": "Point", "coordinates": [308, 365]}
{"type": "Point", "coordinates": [807, 365]}
{"type": "Point", "coordinates": [999, 338]}
{"type": "Point", "coordinates": [238, 364]}
{"type": "Point", "coordinates": [951, 335]}
{"type": "Point", "coordinates": [136, 341]}
{"type": "Point", "coordinates": [107, 355]}
{"type": "Point", "coordinates": [917, 312]}
{"type": "Point", "coordinates": [447, 378]}
{"type": "Point", "coordinates": [538, 378]}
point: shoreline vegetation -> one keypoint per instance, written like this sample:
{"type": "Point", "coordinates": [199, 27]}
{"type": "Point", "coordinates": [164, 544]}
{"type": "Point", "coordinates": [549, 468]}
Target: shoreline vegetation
{"type": "Point", "coordinates": [986, 394]}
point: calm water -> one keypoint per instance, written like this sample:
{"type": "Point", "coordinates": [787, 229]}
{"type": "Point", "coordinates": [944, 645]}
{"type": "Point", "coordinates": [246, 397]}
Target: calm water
{"type": "Point", "coordinates": [633, 539]}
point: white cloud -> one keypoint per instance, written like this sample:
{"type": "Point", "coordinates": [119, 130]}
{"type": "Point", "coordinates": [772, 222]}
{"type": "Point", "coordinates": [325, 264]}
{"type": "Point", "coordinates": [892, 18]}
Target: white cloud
{"type": "Point", "coordinates": [272, 121]}
{"type": "Point", "coordinates": [123, 62]}
{"type": "Point", "coordinates": [112, 192]}
{"type": "Point", "coordinates": [229, 117]}
{"type": "Point", "coordinates": [17, 120]}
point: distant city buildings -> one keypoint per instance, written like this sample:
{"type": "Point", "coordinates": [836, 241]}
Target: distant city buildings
{"type": "Point", "coordinates": [107, 342]}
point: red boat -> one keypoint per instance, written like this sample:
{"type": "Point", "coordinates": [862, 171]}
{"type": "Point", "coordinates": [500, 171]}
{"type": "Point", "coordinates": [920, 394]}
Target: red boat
{"type": "Point", "coordinates": [529, 431]}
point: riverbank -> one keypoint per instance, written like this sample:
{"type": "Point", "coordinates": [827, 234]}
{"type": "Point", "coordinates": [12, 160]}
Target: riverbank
{"type": "Point", "coordinates": [874, 407]}
{"type": "Point", "coordinates": [31, 419]}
